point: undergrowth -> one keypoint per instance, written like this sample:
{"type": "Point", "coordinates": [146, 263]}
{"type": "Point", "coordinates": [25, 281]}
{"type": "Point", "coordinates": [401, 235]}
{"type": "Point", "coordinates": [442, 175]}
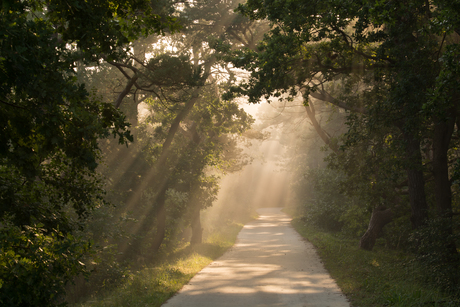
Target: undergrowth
{"type": "Point", "coordinates": [381, 277]}
{"type": "Point", "coordinates": [154, 284]}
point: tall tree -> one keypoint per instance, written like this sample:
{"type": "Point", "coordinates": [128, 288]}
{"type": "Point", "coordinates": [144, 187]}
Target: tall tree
{"type": "Point", "coordinates": [177, 75]}
{"type": "Point", "coordinates": [50, 127]}
{"type": "Point", "coordinates": [392, 61]}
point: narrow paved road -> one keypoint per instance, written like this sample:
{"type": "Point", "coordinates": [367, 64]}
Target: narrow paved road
{"type": "Point", "coordinates": [270, 265]}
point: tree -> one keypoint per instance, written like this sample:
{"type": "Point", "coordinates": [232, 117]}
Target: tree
{"type": "Point", "coordinates": [176, 76]}
{"type": "Point", "coordinates": [190, 136]}
{"type": "Point", "coordinates": [391, 62]}
{"type": "Point", "coordinates": [50, 127]}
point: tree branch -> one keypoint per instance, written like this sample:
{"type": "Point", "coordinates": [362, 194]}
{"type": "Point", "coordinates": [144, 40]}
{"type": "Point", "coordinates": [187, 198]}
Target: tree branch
{"type": "Point", "coordinates": [125, 91]}
{"type": "Point", "coordinates": [325, 96]}
{"type": "Point", "coordinates": [11, 105]}
{"type": "Point", "coordinates": [322, 134]}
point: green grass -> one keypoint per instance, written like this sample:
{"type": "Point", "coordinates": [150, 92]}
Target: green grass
{"type": "Point", "coordinates": [381, 277]}
{"type": "Point", "coordinates": [152, 286]}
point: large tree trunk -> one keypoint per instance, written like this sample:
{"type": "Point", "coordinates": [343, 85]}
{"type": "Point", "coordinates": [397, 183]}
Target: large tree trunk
{"type": "Point", "coordinates": [380, 217]}
{"type": "Point", "coordinates": [197, 231]}
{"type": "Point", "coordinates": [443, 194]}
{"type": "Point", "coordinates": [416, 182]}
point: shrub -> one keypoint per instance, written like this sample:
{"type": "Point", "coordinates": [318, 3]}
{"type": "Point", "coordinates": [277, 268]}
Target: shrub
{"type": "Point", "coordinates": [434, 246]}
{"type": "Point", "coordinates": [328, 207]}
{"type": "Point", "coordinates": [35, 264]}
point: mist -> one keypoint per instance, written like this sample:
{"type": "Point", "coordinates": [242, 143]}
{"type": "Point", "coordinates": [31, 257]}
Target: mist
{"type": "Point", "coordinates": [263, 183]}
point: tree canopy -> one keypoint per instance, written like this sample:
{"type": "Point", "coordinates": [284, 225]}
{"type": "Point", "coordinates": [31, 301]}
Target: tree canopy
{"type": "Point", "coordinates": [74, 73]}
{"type": "Point", "coordinates": [179, 78]}
{"type": "Point", "coordinates": [394, 68]}
{"type": "Point", "coordinates": [50, 127]}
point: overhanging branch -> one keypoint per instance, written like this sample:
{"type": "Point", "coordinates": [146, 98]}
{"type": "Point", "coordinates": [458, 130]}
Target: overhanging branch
{"type": "Point", "coordinates": [125, 91]}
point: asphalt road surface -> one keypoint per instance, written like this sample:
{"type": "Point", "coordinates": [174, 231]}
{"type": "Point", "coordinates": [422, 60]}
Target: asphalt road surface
{"type": "Point", "coordinates": [270, 265]}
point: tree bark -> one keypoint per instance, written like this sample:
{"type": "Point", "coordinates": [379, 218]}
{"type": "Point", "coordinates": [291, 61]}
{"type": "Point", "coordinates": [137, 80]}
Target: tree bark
{"type": "Point", "coordinates": [380, 217]}
{"type": "Point", "coordinates": [161, 173]}
{"type": "Point", "coordinates": [416, 182]}
{"type": "Point", "coordinates": [443, 130]}
{"type": "Point", "coordinates": [126, 91]}
{"type": "Point", "coordinates": [310, 109]}
{"type": "Point", "coordinates": [443, 194]}
{"type": "Point", "coordinates": [197, 231]}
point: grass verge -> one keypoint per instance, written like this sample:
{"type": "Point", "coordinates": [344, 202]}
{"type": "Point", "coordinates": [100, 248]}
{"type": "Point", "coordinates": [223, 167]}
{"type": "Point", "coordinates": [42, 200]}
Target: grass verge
{"type": "Point", "coordinates": [381, 277]}
{"type": "Point", "coordinates": [152, 286]}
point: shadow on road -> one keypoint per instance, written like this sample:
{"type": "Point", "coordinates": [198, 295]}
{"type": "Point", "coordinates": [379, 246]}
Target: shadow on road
{"type": "Point", "coordinates": [270, 265]}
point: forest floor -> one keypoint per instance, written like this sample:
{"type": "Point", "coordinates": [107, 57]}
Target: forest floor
{"type": "Point", "coordinates": [270, 265]}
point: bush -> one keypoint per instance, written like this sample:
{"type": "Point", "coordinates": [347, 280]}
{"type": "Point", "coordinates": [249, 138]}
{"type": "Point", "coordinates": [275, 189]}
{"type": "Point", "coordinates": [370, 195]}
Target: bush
{"type": "Point", "coordinates": [324, 204]}
{"type": "Point", "coordinates": [434, 246]}
{"type": "Point", "coordinates": [35, 264]}
{"type": "Point", "coordinates": [398, 231]}
{"type": "Point", "coordinates": [328, 207]}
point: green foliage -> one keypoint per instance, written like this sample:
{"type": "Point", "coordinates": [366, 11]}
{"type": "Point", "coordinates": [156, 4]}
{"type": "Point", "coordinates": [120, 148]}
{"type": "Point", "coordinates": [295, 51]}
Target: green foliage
{"type": "Point", "coordinates": [107, 229]}
{"type": "Point", "coordinates": [433, 246]}
{"type": "Point", "coordinates": [394, 68]}
{"type": "Point", "coordinates": [328, 207]}
{"type": "Point", "coordinates": [325, 204]}
{"type": "Point", "coordinates": [397, 233]}
{"type": "Point", "coordinates": [36, 264]}
{"type": "Point", "coordinates": [173, 72]}
{"type": "Point", "coordinates": [112, 24]}
{"type": "Point", "coordinates": [51, 126]}
{"type": "Point", "coordinates": [154, 284]}
{"type": "Point", "coordinates": [207, 140]}
{"type": "Point", "coordinates": [381, 277]}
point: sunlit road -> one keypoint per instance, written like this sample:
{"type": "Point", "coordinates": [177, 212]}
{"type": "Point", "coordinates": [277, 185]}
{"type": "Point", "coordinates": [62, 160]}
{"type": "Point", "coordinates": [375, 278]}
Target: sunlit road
{"type": "Point", "coordinates": [270, 265]}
